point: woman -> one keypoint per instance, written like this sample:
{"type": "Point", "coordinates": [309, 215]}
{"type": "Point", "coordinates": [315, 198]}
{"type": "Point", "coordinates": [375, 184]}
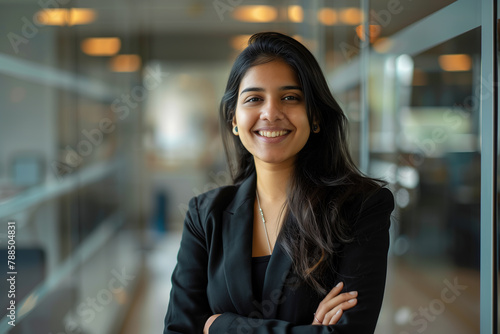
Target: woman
{"type": "Point", "coordinates": [273, 253]}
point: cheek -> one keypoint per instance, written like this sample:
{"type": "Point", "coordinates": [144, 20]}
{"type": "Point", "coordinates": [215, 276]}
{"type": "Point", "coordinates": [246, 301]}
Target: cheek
{"type": "Point", "coordinates": [244, 120]}
{"type": "Point", "coordinates": [302, 122]}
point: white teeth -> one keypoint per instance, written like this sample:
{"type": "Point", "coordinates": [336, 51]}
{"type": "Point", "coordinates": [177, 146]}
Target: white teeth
{"type": "Point", "coordinates": [272, 134]}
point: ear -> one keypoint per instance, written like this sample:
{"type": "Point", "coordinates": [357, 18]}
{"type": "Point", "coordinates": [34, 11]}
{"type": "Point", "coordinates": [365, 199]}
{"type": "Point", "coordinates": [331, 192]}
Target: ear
{"type": "Point", "coordinates": [235, 126]}
{"type": "Point", "coordinates": [315, 126]}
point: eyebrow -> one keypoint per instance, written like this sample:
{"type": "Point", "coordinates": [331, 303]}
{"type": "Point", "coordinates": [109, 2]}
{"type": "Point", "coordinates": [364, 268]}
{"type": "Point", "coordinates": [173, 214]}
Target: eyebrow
{"type": "Point", "coordinates": [259, 89]}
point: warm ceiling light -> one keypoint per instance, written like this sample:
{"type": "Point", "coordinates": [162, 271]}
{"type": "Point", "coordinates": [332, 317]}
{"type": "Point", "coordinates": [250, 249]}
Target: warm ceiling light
{"type": "Point", "coordinates": [351, 16]}
{"type": "Point", "coordinates": [78, 16]}
{"type": "Point", "coordinates": [327, 16]}
{"type": "Point", "coordinates": [240, 42]}
{"type": "Point", "coordinates": [455, 63]}
{"type": "Point", "coordinates": [125, 63]}
{"type": "Point", "coordinates": [255, 13]}
{"type": "Point", "coordinates": [66, 17]}
{"type": "Point", "coordinates": [52, 17]}
{"type": "Point", "coordinates": [375, 30]}
{"type": "Point", "coordinates": [104, 46]}
{"type": "Point", "coordinates": [295, 13]}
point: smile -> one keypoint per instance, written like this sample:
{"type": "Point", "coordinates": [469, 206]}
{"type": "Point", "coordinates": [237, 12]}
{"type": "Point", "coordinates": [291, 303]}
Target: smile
{"type": "Point", "coordinates": [272, 134]}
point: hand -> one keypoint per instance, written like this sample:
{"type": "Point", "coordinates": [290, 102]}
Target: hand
{"type": "Point", "coordinates": [209, 322]}
{"type": "Point", "coordinates": [333, 305]}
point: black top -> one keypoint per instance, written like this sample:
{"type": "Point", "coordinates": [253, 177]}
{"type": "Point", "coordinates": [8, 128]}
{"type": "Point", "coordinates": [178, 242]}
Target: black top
{"type": "Point", "coordinates": [259, 267]}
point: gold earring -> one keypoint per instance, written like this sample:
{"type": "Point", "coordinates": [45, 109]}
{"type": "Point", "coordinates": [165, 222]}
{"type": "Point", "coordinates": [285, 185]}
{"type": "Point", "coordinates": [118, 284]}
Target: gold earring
{"type": "Point", "coordinates": [235, 130]}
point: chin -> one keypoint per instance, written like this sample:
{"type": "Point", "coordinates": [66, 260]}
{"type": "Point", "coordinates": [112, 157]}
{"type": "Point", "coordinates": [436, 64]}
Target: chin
{"type": "Point", "coordinates": [275, 159]}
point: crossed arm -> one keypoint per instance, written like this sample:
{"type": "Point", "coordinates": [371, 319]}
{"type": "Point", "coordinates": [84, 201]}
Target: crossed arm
{"type": "Point", "coordinates": [328, 312]}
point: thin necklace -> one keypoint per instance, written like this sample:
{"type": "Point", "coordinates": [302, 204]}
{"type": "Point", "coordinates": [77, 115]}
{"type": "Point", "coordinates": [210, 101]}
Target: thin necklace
{"type": "Point", "coordinates": [263, 222]}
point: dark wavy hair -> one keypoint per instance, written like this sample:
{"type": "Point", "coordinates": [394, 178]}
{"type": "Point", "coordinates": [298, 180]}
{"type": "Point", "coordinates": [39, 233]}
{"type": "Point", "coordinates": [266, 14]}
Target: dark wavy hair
{"type": "Point", "coordinates": [325, 176]}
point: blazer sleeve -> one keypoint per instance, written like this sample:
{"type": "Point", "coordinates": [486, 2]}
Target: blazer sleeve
{"type": "Point", "coordinates": [362, 268]}
{"type": "Point", "coordinates": [188, 307]}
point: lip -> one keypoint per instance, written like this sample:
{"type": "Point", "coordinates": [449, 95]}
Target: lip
{"type": "Point", "coordinates": [272, 140]}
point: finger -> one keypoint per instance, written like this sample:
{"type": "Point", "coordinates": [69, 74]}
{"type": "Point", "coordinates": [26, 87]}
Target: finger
{"type": "Point", "coordinates": [321, 310]}
{"type": "Point", "coordinates": [333, 316]}
{"type": "Point", "coordinates": [347, 305]}
{"type": "Point", "coordinates": [326, 318]}
{"type": "Point", "coordinates": [329, 315]}
{"type": "Point", "coordinates": [316, 320]}
{"type": "Point", "coordinates": [335, 291]}
{"type": "Point", "coordinates": [331, 301]}
{"type": "Point", "coordinates": [336, 317]}
{"type": "Point", "coordinates": [336, 301]}
{"type": "Point", "coordinates": [343, 297]}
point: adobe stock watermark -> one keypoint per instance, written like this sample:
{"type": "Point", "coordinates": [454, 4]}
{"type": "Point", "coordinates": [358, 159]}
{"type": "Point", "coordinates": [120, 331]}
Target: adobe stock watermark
{"type": "Point", "coordinates": [223, 6]}
{"type": "Point", "coordinates": [122, 106]}
{"type": "Point", "coordinates": [87, 310]}
{"type": "Point", "coordinates": [381, 18]}
{"type": "Point", "coordinates": [436, 307]}
{"type": "Point", "coordinates": [30, 28]}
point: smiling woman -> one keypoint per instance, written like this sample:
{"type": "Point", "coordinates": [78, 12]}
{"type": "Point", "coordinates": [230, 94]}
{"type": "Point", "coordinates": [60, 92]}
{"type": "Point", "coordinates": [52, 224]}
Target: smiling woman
{"type": "Point", "coordinates": [271, 114]}
{"type": "Point", "coordinates": [299, 243]}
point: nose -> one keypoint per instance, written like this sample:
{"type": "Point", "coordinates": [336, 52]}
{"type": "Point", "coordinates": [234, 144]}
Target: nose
{"type": "Point", "coordinates": [272, 111]}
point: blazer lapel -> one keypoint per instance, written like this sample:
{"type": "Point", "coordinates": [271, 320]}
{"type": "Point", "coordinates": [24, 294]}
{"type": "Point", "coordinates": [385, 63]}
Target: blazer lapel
{"type": "Point", "coordinates": [276, 277]}
{"type": "Point", "coordinates": [237, 242]}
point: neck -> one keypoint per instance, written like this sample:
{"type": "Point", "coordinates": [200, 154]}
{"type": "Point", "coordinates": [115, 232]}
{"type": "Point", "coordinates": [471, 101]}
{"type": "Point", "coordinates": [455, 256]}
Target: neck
{"type": "Point", "coordinates": [272, 181]}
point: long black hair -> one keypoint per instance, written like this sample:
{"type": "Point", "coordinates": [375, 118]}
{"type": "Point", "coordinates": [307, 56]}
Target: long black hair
{"type": "Point", "coordinates": [325, 176]}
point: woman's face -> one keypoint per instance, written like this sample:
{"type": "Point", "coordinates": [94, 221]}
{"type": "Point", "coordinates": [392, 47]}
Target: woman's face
{"type": "Point", "coordinates": [271, 113]}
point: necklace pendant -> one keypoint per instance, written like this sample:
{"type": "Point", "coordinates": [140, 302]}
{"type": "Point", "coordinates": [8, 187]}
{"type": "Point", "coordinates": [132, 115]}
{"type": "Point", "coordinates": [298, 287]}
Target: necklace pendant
{"type": "Point", "coordinates": [263, 222]}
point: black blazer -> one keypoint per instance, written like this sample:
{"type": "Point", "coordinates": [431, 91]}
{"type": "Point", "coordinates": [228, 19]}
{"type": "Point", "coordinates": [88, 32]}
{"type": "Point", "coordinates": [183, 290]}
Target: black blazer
{"type": "Point", "coordinates": [213, 272]}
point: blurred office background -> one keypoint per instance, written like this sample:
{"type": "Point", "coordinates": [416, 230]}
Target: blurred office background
{"type": "Point", "coordinates": [109, 125]}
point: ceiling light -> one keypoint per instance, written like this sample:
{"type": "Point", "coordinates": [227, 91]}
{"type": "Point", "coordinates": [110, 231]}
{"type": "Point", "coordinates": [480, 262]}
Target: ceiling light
{"type": "Point", "coordinates": [125, 63]}
{"type": "Point", "coordinates": [295, 13]}
{"type": "Point", "coordinates": [66, 17]}
{"type": "Point", "coordinates": [52, 17]}
{"type": "Point", "coordinates": [327, 16]}
{"type": "Point", "coordinates": [375, 30]}
{"type": "Point", "coordinates": [79, 16]}
{"type": "Point", "coordinates": [351, 16]}
{"type": "Point", "coordinates": [255, 13]}
{"type": "Point", "coordinates": [455, 62]}
{"type": "Point", "coordinates": [103, 46]}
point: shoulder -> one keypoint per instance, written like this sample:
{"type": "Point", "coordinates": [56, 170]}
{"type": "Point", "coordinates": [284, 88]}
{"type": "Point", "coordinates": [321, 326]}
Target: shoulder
{"type": "Point", "coordinates": [381, 199]}
{"type": "Point", "coordinates": [371, 212]}
{"type": "Point", "coordinates": [213, 200]}
{"type": "Point", "coordinates": [206, 205]}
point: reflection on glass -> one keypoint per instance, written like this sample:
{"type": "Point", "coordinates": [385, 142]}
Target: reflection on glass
{"type": "Point", "coordinates": [435, 273]}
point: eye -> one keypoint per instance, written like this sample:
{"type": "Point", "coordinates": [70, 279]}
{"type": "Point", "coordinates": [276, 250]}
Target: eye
{"type": "Point", "coordinates": [252, 99]}
{"type": "Point", "coordinates": [291, 98]}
